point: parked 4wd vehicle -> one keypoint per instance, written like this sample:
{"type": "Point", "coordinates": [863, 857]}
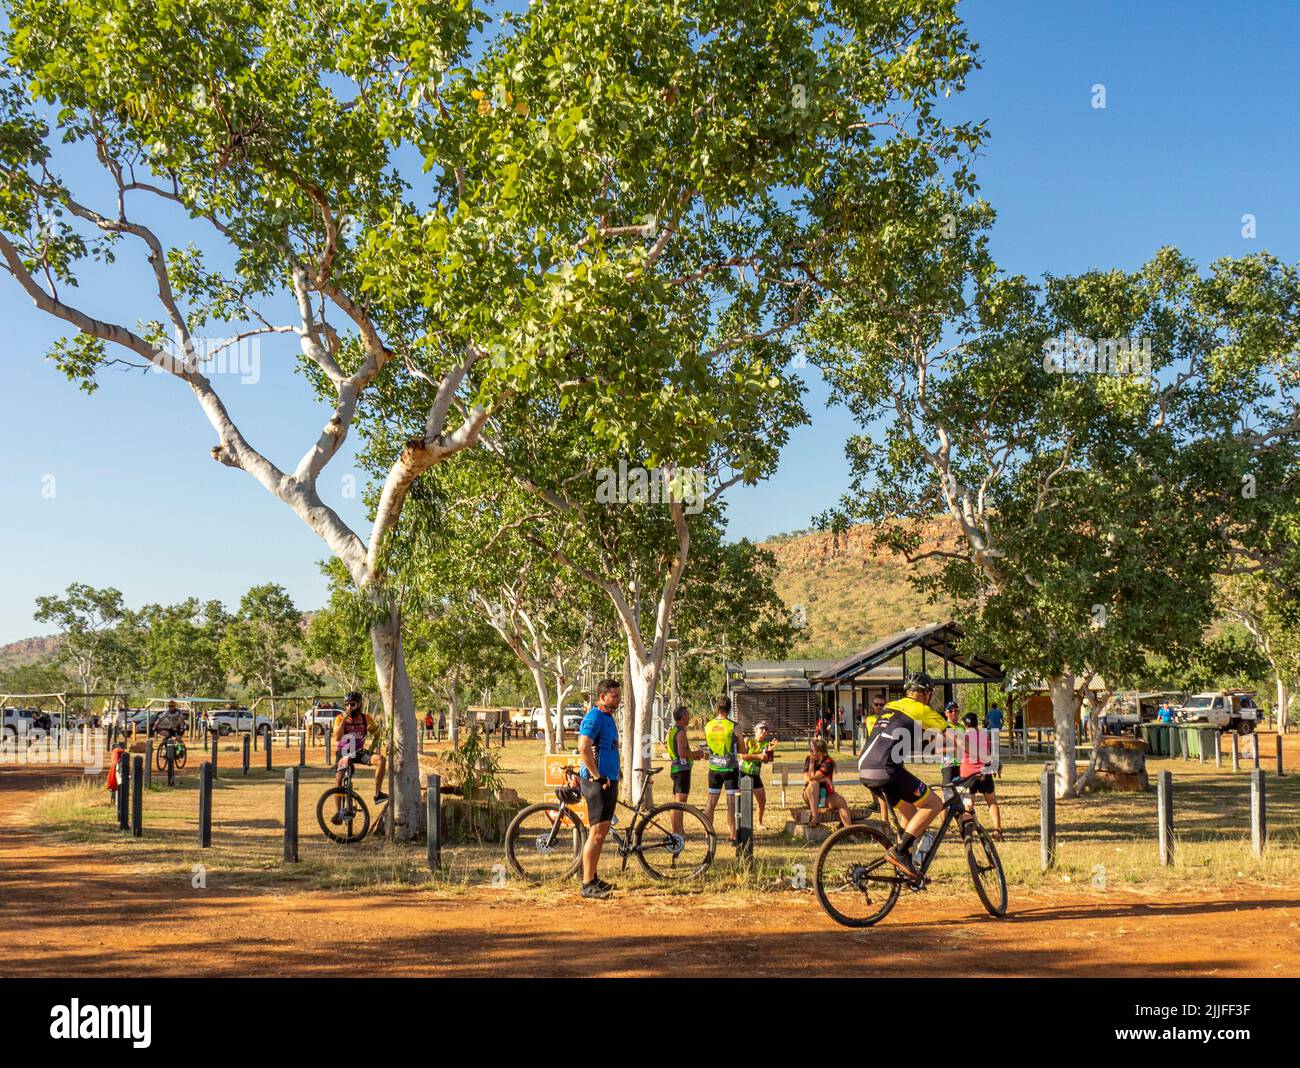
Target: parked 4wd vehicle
{"type": "Point", "coordinates": [225, 721]}
{"type": "Point", "coordinates": [320, 720]}
{"type": "Point", "coordinates": [1229, 710]}
{"type": "Point", "coordinates": [24, 721]}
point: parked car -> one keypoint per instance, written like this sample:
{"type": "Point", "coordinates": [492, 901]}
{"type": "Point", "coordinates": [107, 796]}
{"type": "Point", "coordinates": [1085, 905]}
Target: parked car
{"type": "Point", "coordinates": [1229, 710]}
{"type": "Point", "coordinates": [20, 721]}
{"type": "Point", "coordinates": [571, 719]}
{"type": "Point", "coordinates": [320, 720]}
{"type": "Point", "coordinates": [224, 721]}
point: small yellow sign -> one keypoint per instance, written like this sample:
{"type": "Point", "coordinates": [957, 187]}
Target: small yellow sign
{"type": "Point", "coordinates": [555, 763]}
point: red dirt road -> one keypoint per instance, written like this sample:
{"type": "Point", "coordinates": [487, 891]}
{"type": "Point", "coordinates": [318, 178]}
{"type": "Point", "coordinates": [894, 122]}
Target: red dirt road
{"type": "Point", "coordinates": [64, 911]}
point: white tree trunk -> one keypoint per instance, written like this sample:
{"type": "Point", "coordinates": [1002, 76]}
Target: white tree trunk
{"type": "Point", "coordinates": [1283, 704]}
{"type": "Point", "coordinates": [627, 728]}
{"type": "Point", "coordinates": [544, 703]}
{"type": "Point", "coordinates": [399, 704]}
{"type": "Point", "coordinates": [1064, 706]}
{"type": "Point", "coordinates": [640, 745]}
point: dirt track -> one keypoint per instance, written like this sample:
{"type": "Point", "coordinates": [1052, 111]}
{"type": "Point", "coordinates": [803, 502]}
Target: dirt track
{"type": "Point", "coordinates": [65, 911]}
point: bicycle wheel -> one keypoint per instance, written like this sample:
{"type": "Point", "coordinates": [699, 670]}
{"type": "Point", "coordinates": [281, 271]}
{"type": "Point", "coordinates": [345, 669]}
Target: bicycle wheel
{"type": "Point", "coordinates": [986, 871]}
{"type": "Point", "coordinates": [543, 844]}
{"type": "Point", "coordinates": [665, 853]}
{"type": "Point", "coordinates": [160, 758]}
{"type": "Point", "coordinates": [181, 753]}
{"type": "Point", "coordinates": [855, 884]}
{"type": "Point", "coordinates": [356, 817]}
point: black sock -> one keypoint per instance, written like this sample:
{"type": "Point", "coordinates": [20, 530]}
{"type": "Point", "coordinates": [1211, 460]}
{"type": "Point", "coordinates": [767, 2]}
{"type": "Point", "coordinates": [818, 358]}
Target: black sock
{"type": "Point", "coordinates": [904, 845]}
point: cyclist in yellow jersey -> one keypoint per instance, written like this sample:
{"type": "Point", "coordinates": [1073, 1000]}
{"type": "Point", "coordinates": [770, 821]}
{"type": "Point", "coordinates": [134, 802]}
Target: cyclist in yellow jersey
{"type": "Point", "coordinates": [680, 756]}
{"type": "Point", "coordinates": [724, 764]}
{"type": "Point", "coordinates": [881, 767]}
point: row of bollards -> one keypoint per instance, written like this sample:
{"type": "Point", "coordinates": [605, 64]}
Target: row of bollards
{"type": "Point", "coordinates": [1164, 817]}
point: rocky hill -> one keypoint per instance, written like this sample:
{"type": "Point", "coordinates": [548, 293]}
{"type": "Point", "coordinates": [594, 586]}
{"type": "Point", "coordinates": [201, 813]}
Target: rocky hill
{"type": "Point", "coordinates": [851, 593]}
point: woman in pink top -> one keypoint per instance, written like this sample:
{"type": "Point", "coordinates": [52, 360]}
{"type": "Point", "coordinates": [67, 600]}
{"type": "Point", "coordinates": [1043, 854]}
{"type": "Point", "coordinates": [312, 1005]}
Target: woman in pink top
{"type": "Point", "coordinates": [978, 754]}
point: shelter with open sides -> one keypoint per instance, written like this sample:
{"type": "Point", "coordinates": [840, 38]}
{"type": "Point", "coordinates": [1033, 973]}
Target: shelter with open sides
{"type": "Point", "coordinates": [792, 695]}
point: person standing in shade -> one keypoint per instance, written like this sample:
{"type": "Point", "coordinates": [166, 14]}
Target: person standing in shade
{"type": "Point", "coordinates": [601, 771]}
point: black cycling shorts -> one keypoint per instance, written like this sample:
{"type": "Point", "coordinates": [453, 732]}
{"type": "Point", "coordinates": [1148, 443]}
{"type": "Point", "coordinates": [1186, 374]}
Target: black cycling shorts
{"type": "Point", "coordinates": [601, 800]}
{"type": "Point", "coordinates": [718, 780]}
{"type": "Point", "coordinates": [901, 785]}
{"type": "Point", "coordinates": [755, 780]}
{"type": "Point", "coordinates": [682, 781]}
{"type": "Point", "coordinates": [983, 785]}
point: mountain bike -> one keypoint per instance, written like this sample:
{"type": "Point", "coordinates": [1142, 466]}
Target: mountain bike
{"type": "Point", "coordinates": [858, 887]}
{"type": "Point", "coordinates": [354, 822]}
{"type": "Point", "coordinates": [178, 759]}
{"type": "Point", "coordinates": [544, 841]}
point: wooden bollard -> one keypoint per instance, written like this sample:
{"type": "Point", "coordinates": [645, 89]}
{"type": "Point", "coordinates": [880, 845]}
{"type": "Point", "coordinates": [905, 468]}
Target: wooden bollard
{"type": "Point", "coordinates": [1236, 751]}
{"type": "Point", "coordinates": [302, 749]}
{"type": "Point", "coordinates": [246, 753]}
{"type": "Point", "coordinates": [433, 819]}
{"type": "Point", "coordinates": [124, 792]}
{"type": "Point", "coordinates": [137, 797]}
{"type": "Point", "coordinates": [1218, 750]}
{"type": "Point", "coordinates": [745, 823]}
{"type": "Point", "coordinates": [1254, 751]}
{"type": "Point", "coordinates": [1165, 816]}
{"type": "Point", "coordinates": [291, 815]}
{"type": "Point", "coordinates": [1047, 819]}
{"type": "Point", "coordinates": [207, 773]}
{"type": "Point", "coordinates": [1258, 814]}
{"type": "Point", "coordinates": [267, 747]}
{"type": "Point", "coordinates": [148, 763]}
{"type": "Point", "coordinates": [171, 762]}
{"type": "Point", "coordinates": [1278, 739]}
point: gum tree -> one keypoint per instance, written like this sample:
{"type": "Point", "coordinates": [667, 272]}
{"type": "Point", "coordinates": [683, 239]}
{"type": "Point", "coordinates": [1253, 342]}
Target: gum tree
{"type": "Point", "coordinates": [610, 203]}
{"type": "Point", "coordinates": [1094, 509]}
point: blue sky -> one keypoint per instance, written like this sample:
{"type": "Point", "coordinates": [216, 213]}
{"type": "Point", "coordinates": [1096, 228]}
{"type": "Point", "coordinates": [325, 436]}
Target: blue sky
{"type": "Point", "coordinates": [1201, 126]}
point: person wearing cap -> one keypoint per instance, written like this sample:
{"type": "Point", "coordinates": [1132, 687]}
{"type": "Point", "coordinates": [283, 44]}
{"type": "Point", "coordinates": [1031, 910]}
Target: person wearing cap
{"type": "Point", "coordinates": [758, 751]}
{"type": "Point", "coordinates": [883, 770]}
{"type": "Point", "coordinates": [950, 762]}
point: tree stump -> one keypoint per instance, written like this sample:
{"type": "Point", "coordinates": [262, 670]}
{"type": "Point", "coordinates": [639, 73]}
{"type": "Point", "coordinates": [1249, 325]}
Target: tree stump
{"type": "Point", "coordinates": [1122, 764]}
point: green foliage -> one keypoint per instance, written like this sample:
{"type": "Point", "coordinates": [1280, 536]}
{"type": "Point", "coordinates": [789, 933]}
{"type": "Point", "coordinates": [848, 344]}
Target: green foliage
{"type": "Point", "coordinates": [477, 767]}
{"type": "Point", "coordinates": [257, 643]}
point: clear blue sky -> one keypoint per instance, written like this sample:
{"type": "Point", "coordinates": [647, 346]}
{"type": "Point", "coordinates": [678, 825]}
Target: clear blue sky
{"type": "Point", "coordinates": [1201, 125]}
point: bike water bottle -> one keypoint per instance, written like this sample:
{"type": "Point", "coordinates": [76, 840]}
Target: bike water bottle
{"type": "Point", "coordinates": [923, 847]}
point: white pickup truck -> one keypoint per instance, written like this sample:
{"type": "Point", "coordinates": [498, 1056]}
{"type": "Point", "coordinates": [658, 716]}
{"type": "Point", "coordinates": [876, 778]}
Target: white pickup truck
{"type": "Point", "coordinates": [1229, 710]}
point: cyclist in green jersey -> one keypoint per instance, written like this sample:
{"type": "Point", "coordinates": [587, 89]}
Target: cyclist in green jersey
{"type": "Point", "coordinates": [680, 756]}
{"type": "Point", "coordinates": [758, 751]}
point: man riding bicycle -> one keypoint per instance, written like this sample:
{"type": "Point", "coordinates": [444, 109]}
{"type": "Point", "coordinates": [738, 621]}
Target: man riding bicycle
{"type": "Point", "coordinates": [348, 736]}
{"type": "Point", "coordinates": [881, 768]}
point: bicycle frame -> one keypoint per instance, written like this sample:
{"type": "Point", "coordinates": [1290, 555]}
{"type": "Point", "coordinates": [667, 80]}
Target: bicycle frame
{"type": "Point", "coordinates": [625, 846]}
{"type": "Point", "coordinates": [954, 808]}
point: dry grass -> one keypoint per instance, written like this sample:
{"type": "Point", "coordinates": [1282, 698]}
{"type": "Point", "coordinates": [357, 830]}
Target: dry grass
{"type": "Point", "coordinates": [1107, 837]}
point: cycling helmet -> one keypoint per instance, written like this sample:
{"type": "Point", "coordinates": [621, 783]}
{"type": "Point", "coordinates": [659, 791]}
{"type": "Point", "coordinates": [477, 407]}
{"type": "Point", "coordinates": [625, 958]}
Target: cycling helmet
{"type": "Point", "coordinates": [353, 696]}
{"type": "Point", "coordinates": [918, 680]}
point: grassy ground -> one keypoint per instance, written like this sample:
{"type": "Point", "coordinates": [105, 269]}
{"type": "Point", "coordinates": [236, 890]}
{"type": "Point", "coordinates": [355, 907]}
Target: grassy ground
{"type": "Point", "coordinates": [1108, 839]}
